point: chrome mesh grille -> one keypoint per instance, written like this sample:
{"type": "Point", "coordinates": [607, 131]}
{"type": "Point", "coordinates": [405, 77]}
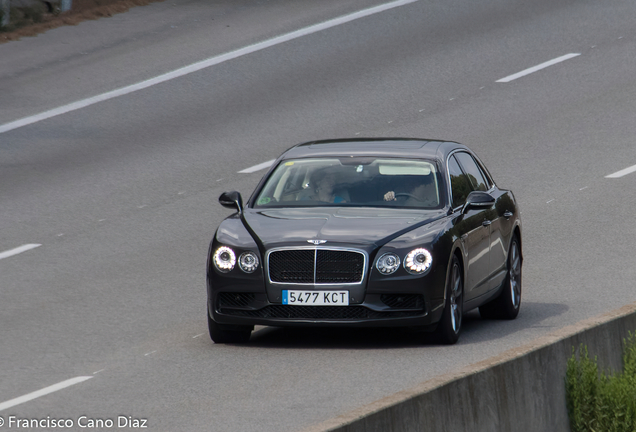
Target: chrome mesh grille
{"type": "Point", "coordinates": [292, 266]}
{"type": "Point", "coordinates": [316, 266]}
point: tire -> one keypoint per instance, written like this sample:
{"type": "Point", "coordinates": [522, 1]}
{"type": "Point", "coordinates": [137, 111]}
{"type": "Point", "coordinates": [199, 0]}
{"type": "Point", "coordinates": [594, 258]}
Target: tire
{"type": "Point", "coordinates": [220, 333]}
{"type": "Point", "coordinates": [506, 306]}
{"type": "Point", "coordinates": [450, 326]}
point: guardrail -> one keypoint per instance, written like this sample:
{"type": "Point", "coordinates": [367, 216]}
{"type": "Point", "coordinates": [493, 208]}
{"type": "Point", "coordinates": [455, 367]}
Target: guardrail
{"type": "Point", "coordinates": [5, 7]}
{"type": "Point", "coordinates": [522, 389]}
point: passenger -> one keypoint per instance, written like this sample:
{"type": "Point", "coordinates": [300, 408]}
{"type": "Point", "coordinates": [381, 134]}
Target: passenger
{"type": "Point", "coordinates": [322, 187]}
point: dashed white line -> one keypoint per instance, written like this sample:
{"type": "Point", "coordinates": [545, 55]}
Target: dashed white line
{"type": "Point", "coordinates": [538, 67]}
{"type": "Point", "coordinates": [622, 173]}
{"type": "Point", "coordinates": [43, 392]}
{"type": "Point", "coordinates": [199, 335]}
{"type": "Point", "coordinates": [548, 202]}
{"type": "Point", "coordinates": [151, 352]}
{"type": "Point", "coordinates": [18, 250]}
{"type": "Point", "coordinates": [202, 65]}
{"type": "Point", "coordinates": [258, 167]}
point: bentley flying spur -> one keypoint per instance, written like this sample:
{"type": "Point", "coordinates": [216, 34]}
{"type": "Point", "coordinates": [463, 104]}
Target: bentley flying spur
{"type": "Point", "coordinates": [390, 232]}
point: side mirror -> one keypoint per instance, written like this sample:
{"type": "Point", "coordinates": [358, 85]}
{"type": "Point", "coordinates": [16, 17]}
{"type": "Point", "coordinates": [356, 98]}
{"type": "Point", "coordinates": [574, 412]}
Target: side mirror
{"type": "Point", "coordinates": [232, 200]}
{"type": "Point", "coordinates": [478, 199]}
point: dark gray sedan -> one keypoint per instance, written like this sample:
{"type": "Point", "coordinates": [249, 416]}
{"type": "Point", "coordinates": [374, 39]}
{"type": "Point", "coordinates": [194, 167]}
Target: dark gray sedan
{"type": "Point", "coordinates": [366, 232]}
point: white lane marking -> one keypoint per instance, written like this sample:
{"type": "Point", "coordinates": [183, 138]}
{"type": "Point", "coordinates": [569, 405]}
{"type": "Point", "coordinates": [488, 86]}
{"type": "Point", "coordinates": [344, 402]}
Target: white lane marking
{"type": "Point", "coordinates": [18, 250]}
{"type": "Point", "coordinates": [538, 67]}
{"type": "Point", "coordinates": [622, 173]}
{"type": "Point", "coordinates": [101, 370]}
{"type": "Point", "coordinates": [548, 202]}
{"type": "Point", "coordinates": [202, 65]}
{"type": "Point", "coordinates": [199, 335]}
{"type": "Point", "coordinates": [43, 392]}
{"type": "Point", "coordinates": [151, 352]}
{"type": "Point", "coordinates": [257, 167]}
{"type": "Point", "coordinates": [583, 188]}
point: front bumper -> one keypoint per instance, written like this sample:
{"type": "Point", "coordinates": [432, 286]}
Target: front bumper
{"type": "Point", "coordinates": [377, 310]}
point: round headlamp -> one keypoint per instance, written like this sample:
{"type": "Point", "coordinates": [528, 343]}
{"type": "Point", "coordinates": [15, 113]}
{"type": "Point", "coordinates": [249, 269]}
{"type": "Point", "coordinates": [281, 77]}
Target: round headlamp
{"type": "Point", "coordinates": [418, 261]}
{"type": "Point", "coordinates": [388, 263]}
{"type": "Point", "coordinates": [224, 259]}
{"type": "Point", "coordinates": [248, 261]}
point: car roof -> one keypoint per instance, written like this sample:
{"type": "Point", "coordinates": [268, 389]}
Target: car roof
{"type": "Point", "coordinates": [387, 147]}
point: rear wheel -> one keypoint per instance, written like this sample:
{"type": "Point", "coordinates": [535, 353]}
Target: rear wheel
{"type": "Point", "coordinates": [220, 333]}
{"type": "Point", "coordinates": [507, 304]}
{"type": "Point", "coordinates": [450, 325]}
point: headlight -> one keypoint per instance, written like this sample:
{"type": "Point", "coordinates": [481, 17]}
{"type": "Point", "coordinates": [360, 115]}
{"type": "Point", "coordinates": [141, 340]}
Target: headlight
{"type": "Point", "coordinates": [418, 261]}
{"type": "Point", "coordinates": [388, 263]}
{"type": "Point", "coordinates": [248, 262]}
{"type": "Point", "coordinates": [224, 259]}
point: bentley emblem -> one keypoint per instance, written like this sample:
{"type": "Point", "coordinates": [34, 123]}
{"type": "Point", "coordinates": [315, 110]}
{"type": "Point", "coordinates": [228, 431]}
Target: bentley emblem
{"type": "Point", "coordinates": [317, 242]}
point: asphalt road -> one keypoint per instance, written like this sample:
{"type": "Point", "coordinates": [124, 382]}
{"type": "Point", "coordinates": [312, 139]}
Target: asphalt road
{"type": "Point", "coordinates": [121, 195]}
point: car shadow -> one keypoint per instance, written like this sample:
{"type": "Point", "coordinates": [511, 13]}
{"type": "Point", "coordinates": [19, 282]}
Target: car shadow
{"type": "Point", "coordinates": [475, 330]}
{"type": "Point", "coordinates": [532, 315]}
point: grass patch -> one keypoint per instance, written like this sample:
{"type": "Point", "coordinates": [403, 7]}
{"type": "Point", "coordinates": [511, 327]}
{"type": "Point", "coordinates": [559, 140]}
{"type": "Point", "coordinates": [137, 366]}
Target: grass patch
{"type": "Point", "coordinates": [598, 401]}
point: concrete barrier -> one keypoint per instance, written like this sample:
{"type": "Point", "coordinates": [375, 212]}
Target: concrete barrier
{"type": "Point", "coordinates": [522, 389]}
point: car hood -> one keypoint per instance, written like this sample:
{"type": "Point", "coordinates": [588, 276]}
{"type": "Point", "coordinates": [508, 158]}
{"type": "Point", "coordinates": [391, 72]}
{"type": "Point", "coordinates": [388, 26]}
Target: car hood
{"type": "Point", "coordinates": [339, 225]}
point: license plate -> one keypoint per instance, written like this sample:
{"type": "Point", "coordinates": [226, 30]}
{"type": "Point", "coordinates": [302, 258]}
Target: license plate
{"type": "Point", "coordinates": [316, 298]}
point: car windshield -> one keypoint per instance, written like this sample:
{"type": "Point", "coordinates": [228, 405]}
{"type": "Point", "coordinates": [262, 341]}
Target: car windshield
{"type": "Point", "coordinates": [353, 181]}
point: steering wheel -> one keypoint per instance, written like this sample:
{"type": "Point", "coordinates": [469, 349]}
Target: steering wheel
{"type": "Point", "coordinates": [408, 195]}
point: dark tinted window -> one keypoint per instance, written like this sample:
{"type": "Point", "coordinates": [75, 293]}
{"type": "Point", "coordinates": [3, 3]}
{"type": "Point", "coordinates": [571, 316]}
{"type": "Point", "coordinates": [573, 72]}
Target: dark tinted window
{"type": "Point", "coordinates": [460, 185]}
{"type": "Point", "coordinates": [477, 179]}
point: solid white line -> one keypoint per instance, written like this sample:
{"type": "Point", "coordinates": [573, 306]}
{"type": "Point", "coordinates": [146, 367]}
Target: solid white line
{"type": "Point", "coordinates": [18, 250]}
{"type": "Point", "coordinates": [202, 65]}
{"type": "Point", "coordinates": [257, 167]}
{"type": "Point", "coordinates": [538, 67]}
{"type": "Point", "coordinates": [43, 392]}
{"type": "Point", "coordinates": [622, 173]}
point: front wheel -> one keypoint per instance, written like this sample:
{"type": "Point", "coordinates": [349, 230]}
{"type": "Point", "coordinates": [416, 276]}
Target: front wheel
{"type": "Point", "coordinates": [220, 333]}
{"type": "Point", "coordinates": [507, 304]}
{"type": "Point", "coordinates": [450, 325]}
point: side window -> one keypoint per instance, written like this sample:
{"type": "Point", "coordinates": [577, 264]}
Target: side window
{"type": "Point", "coordinates": [477, 179]}
{"type": "Point", "coordinates": [460, 185]}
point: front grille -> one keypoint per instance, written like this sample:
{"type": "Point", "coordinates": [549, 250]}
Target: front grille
{"type": "Point", "coordinates": [320, 313]}
{"type": "Point", "coordinates": [403, 301]}
{"type": "Point", "coordinates": [316, 266]}
{"type": "Point", "coordinates": [292, 266]}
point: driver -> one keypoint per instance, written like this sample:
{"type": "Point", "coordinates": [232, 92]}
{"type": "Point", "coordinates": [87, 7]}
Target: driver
{"type": "Point", "coordinates": [418, 191]}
